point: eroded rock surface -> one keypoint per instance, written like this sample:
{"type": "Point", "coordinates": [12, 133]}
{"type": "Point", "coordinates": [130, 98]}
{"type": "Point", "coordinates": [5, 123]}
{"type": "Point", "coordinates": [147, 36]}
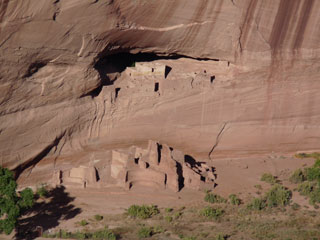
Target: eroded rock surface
{"type": "Point", "coordinates": [60, 97]}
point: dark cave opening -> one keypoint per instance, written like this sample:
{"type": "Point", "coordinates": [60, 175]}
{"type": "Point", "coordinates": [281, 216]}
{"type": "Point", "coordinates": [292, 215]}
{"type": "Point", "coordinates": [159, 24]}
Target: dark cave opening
{"type": "Point", "coordinates": [33, 68]}
{"type": "Point", "coordinates": [110, 66]}
{"type": "Point", "coordinates": [118, 62]}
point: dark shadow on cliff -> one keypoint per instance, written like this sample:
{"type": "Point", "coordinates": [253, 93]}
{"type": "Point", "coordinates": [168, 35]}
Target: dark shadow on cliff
{"type": "Point", "coordinates": [193, 163]}
{"type": "Point", "coordinates": [110, 65]}
{"type": "Point", "coordinates": [167, 71]}
{"type": "Point", "coordinates": [47, 213]}
{"type": "Point", "coordinates": [117, 63]}
{"type": "Point", "coordinates": [34, 161]}
{"type": "Point", "coordinates": [180, 176]}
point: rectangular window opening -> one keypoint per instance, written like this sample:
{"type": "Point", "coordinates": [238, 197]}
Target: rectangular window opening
{"type": "Point", "coordinates": [156, 87]}
{"type": "Point", "coordinates": [117, 90]}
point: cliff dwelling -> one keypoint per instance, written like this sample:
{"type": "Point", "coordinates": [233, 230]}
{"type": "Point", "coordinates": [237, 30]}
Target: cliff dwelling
{"type": "Point", "coordinates": [160, 119]}
{"type": "Point", "coordinates": [157, 166]}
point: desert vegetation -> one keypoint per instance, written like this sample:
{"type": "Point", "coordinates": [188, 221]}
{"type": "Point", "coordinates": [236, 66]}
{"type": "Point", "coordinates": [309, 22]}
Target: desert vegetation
{"type": "Point", "coordinates": [143, 211]}
{"type": "Point", "coordinates": [308, 179]}
{"type": "Point", "coordinates": [99, 234]}
{"type": "Point", "coordinates": [270, 214]}
{"type": "Point", "coordinates": [215, 221]}
{"type": "Point", "coordinates": [214, 198]}
{"type": "Point", "coordinates": [12, 203]}
{"type": "Point", "coordinates": [269, 178]}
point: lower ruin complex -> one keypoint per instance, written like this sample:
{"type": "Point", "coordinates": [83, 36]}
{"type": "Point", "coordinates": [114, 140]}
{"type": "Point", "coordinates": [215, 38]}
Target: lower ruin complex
{"type": "Point", "coordinates": [158, 166]}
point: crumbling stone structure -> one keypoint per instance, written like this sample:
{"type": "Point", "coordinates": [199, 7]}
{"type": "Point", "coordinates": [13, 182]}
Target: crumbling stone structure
{"type": "Point", "coordinates": [147, 69]}
{"type": "Point", "coordinates": [76, 177]}
{"type": "Point", "coordinates": [158, 166]}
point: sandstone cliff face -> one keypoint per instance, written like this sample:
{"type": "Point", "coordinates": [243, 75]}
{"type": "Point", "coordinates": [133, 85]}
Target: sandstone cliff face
{"type": "Point", "coordinates": [52, 69]}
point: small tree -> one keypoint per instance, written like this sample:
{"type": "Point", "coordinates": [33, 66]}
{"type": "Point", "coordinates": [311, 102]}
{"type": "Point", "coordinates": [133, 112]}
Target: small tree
{"type": "Point", "coordinates": [10, 203]}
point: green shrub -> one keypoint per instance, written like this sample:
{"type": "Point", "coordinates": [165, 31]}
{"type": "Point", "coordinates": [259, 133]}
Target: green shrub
{"type": "Point", "coordinates": [278, 196]}
{"type": "Point", "coordinates": [306, 188]}
{"type": "Point", "coordinates": [221, 237]}
{"type": "Point", "coordinates": [158, 229]}
{"type": "Point", "coordinates": [309, 179]}
{"type": "Point", "coordinates": [315, 155]}
{"type": "Point", "coordinates": [42, 191]}
{"type": "Point", "coordinates": [143, 211]}
{"type": "Point", "coordinates": [79, 235]}
{"type": "Point", "coordinates": [298, 176]}
{"type": "Point", "coordinates": [10, 203]}
{"type": "Point", "coordinates": [308, 155]}
{"type": "Point", "coordinates": [315, 197]}
{"type": "Point", "coordinates": [168, 219]}
{"type": "Point", "coordinates": [212, 213]}
{"type": "Point", "coordinates": [188, 238]}
{"type": "Point", "coordinates": [99, 234]}
{"type": "Point", "coordinates": [27, 198]}
{"type": "Point", "coordinates": [311, 190]}
{"type": "Point", "coordinates": [168, 210]}
{"type": "Point", "coordinates": [317, 163]}
{"type": "Point", "coordinates": [182, 208]}
{"type": "Point", "coordinates": [45, 234]}
{"type": "Point", "coordinates": [65, 234]}
{"type": "Point", "coordinates": [204, 235]}
{"type": "Point", "coordinates": [269, 178]}
{"type": "Point", "coordinates": [177, 215]}
{"type": "Point", "coordinates": [312, 173]}
{"type": "Point", "coordinates": [301, 155]}
{"type": "Point", "coordinates": [145, 232]}
{"type": "Point", "coordinates": [98, 217]}
{"type": "Point", "coordinates": [83, 222]}
{"type": "Point", "coordinates": [234, 200]}
{"type": "Point", "coordinates": [256, 204]}
{"type": "Point", "coordinates": [295, 206]}
{"type": "Point", "coordinates": [102, 234]}
{"type": "Point", "coordinates": [214, 198]}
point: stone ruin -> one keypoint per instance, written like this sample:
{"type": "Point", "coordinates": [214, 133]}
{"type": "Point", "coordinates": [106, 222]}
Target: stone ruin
{"type": "Point", "coordinates": [158, 166]}
{"type": "Point", "coordinates": [76, 177]}
{"type": "Point", "coordinates": [147, 69]}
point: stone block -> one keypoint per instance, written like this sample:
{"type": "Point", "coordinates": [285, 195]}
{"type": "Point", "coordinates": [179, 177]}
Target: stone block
{"type": "Point", "coordinates": [142, 164]}
{"type": "Point", "coordinates": [119, 157]}
{"type": "Point", "coordinates": [177, 155]}
{"type": "Point", "coordinates": [153, 154]}
{"type": "Point", "coordinates": [173, 182]}
{"type": "Point", "coordinates": [147, 177]}
{"type": "Point", "coordinates": [191, 179]}
{"type": "Point", "coordinates": [68, 179]}
{"type": "Point", "coordinates": [118, 164]}
{"type": "Point", "coordinates": [139, 152]}
{"type": "Point", "coordinates": [79, 172]}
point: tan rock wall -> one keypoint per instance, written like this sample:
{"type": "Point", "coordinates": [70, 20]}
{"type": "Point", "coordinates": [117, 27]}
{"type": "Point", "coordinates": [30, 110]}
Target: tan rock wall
{"type": "Point", "coordinates": [48, 49]}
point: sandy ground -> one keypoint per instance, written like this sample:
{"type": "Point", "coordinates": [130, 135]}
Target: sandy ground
{"type": "Point", "coordinates": [237, 176]}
